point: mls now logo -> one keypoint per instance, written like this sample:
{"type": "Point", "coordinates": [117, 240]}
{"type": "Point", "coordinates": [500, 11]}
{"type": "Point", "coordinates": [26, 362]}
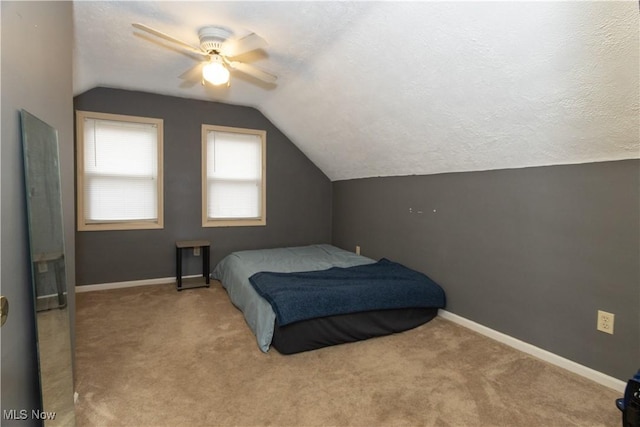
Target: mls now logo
{"type": "Point", "coordinates": [15, 414]}
{"type": "Point", "coordinates": [23, 414]}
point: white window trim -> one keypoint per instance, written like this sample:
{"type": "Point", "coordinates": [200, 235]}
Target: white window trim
{"type": "Point", "coordinates": [234, 222]}
{"type": "Point", "coordinates": [116, 225]}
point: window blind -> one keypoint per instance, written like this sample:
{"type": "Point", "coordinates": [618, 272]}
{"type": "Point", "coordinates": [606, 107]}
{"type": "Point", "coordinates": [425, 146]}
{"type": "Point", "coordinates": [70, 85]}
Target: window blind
{"type": "Point", "coordinates": [120, 171]}
{"type": "Point", "coordinates": [234, 175]}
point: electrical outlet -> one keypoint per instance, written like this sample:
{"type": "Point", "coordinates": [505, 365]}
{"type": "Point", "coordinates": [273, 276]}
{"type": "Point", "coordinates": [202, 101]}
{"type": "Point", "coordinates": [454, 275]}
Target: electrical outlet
{"type": "Point", "coordinates": [196, 251]}
{"type": "Point", "coordinates": [605, 321]}
{"type": "Point", "coordinates": [357, 250]}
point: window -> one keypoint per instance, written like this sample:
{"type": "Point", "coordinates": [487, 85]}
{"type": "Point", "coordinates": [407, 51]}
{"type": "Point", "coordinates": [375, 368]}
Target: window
{"type": "Point", "coordinates": [119, 172]}
{"type": "Point", "coordinates": [233, 176]}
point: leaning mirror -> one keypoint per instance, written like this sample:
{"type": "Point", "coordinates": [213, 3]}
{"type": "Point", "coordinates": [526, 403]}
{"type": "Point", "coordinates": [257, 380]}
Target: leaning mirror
{"type": "Point", "coordinates": [49, 283]}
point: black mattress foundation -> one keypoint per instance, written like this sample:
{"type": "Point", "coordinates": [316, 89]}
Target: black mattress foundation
{"type": "Point", "coordinates": [331, 330]}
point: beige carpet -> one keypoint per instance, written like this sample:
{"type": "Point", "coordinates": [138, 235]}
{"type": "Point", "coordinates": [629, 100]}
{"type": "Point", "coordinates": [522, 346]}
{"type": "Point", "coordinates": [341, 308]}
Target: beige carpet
{"type": "Point", "coordinates": [151, 356]}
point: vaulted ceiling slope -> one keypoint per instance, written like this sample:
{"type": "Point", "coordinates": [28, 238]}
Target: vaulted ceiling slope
{"type": "Point", "coordinates": [393, 88]}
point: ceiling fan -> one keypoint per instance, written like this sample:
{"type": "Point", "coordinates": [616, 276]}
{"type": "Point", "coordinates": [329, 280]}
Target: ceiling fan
{"type": "Point", "coordinates": [218, 48]}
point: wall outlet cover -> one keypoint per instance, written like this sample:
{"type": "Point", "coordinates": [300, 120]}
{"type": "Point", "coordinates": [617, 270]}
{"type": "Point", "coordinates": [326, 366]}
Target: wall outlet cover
{"type": "Point", "coordinates": [605, 322]}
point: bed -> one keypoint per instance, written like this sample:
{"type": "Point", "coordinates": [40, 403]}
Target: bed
{"type": "Point", "coordinates": [333, 296]}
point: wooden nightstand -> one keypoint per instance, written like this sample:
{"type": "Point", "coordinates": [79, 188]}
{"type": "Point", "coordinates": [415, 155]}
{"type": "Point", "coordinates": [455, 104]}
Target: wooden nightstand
{"type": "Point", "coordinates": [204, 245]}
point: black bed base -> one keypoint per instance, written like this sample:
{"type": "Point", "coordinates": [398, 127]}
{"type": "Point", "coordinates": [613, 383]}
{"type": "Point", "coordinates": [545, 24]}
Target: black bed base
{"type": "Point", "coordinates": [326, 331]}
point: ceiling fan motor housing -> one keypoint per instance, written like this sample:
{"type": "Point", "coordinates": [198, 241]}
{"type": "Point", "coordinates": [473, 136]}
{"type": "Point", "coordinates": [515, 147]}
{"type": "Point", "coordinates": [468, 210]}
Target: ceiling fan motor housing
{"type": "Point", "coordinates": [212, 38]}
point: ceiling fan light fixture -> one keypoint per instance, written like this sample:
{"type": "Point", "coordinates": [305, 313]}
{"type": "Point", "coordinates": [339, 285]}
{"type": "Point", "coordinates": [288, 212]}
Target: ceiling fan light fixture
{"type": "Point", "coordinates": [220, 50]}
{"type": "Point", "coordinates": [215, 72]}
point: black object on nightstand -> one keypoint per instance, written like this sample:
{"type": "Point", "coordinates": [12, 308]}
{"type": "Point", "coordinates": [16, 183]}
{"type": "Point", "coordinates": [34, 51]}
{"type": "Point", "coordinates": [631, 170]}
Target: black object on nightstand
{"type": "Point", "coordinates": [204, 245]}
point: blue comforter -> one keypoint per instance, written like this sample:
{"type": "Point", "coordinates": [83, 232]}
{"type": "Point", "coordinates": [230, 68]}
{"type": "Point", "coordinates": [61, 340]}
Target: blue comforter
{"type": "Point", "coordinates": [382, 285]}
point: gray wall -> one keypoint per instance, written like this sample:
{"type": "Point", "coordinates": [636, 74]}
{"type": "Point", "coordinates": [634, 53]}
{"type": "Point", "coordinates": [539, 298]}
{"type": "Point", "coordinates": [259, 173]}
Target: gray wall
{"type": "Point", "coordinates": [532, 253]}
{"type": "Point", "coordinates": [298, 193]}
{"type": "Point", "coordinates": [37, 40]}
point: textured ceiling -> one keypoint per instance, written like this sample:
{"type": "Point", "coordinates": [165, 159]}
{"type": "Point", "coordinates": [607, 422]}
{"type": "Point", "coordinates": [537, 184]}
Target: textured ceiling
{"type": "Point", "coordinates": [388, 88]}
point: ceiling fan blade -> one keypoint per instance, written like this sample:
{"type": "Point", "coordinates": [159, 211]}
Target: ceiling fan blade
{"type": "Point", "coordinates": [236, 47]}
{"type": "Point", "coordinates": [253, 71]}
{"type": "Point", "coordinates": [169, 38]}
{"type": "Point", "coordinates": [192, 76]}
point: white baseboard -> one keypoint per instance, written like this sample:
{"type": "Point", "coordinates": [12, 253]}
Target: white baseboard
{"type": "Point", "coordinates": [50, 295]}
{"type": "Point", "coordinates": [545, 355]}
{"type": "Point", "coordinates": [129, 284]}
